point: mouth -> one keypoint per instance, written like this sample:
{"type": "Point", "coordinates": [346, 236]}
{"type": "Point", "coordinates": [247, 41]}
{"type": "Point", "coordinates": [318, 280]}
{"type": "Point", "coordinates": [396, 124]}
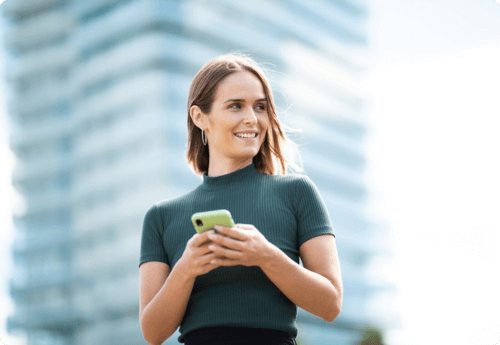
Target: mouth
{"type": "Point", "coordinates": [248, 139]}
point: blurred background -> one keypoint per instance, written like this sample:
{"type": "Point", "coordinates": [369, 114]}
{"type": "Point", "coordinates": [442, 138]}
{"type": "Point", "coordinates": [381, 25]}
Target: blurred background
{"type": "Point", "coordinates": [398, 103]}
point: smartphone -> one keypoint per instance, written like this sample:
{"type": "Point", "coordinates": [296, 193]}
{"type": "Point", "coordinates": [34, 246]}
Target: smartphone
{"type": "Point", "coordinates": [204, 221]}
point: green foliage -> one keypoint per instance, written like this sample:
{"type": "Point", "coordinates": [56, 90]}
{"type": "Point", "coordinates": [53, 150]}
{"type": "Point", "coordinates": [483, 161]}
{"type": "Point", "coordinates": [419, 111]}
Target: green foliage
{"type": "Point", "coordinates": [299, 341]}
{"type": "Point", "coordinates": [372, 336]}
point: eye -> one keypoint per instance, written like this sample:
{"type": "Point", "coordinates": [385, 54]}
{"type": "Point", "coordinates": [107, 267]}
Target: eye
{"type": "Point", "coordinates": [235, 106]}
{"type": "Point", "coordinates": [261, 106]}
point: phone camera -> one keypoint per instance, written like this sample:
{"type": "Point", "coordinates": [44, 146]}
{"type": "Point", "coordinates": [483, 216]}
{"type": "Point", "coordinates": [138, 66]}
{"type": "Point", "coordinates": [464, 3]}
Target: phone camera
{"type": "Point", "coordinates": [199, 222]}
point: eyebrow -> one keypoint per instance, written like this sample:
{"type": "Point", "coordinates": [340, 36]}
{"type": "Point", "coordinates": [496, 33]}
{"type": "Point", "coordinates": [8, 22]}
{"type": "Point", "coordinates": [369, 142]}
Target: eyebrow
{"type": "Point", "coordinates": [242, 100]}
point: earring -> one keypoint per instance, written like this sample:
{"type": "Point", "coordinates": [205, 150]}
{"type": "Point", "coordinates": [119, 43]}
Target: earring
{"type": "Point", "coordinates": [204, 141]}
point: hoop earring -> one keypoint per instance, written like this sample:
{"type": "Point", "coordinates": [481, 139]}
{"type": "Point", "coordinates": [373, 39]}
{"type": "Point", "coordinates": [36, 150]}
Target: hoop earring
{"type": "Point", "coordinates": [204, 141]}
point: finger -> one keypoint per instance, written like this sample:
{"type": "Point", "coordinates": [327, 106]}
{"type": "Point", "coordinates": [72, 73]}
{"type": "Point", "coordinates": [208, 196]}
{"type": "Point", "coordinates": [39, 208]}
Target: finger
{"type": "Point", "coordinates": [202, 238]}
{"type": "Point", "coordinates": [217, 261]}
{"type": "Point", "coordinates": [227, 241]}
{"type": "Point", "coordinates": [206, 258]}
{"type": "Point", "coordinates": [224, 262]}
{"type": "Point", "coordinates": [208, 266]}
{"type": "Point", "coordinates": [204, 248]}
{"type": "Point", "coordinates": [232, 232]}
{"type": "Point", "coordinates": [243, 226]}
{"type": "Point", "coordinates": [226, 252]}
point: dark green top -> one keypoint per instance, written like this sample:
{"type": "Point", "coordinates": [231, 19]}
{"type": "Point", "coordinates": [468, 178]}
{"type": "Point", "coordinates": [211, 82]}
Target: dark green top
{"type": "Point", "coordinates": [287, 209]}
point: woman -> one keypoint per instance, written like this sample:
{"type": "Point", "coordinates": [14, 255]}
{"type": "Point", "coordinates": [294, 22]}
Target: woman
{"type": "Point", "coordinates": [243, 285]}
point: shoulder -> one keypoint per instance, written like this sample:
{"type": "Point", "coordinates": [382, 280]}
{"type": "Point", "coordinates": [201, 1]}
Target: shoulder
{"type": "Point", "coordinates": [294, 181]}
{"type": "Point", "coordinates": [293, 184]}
{"type": "Point", "coordinates": [290, 179]}
{"type": "Point", "coordinates": [176, 201]}
{"type": "Point", "coordinates": [163, 208]}
{"type": "Point", "coordinates": [304, 188]}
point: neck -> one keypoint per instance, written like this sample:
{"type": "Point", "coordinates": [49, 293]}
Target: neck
{"type": "Point", "coordinates": [219, 169]}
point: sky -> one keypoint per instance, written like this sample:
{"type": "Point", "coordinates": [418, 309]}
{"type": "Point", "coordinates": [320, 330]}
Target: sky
{"type": "Point", "coordinates": [433, 149]}
{"type": "Point", "coordinates": [434, 164]}
{"type": "Point", "coordinates": [6, 207]}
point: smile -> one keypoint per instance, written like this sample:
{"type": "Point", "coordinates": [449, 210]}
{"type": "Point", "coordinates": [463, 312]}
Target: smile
{"type": "Point", "coordinates": [244, 138]}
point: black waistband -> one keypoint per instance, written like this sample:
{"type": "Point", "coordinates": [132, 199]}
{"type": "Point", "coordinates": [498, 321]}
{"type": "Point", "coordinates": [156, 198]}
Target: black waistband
{"type": "Point", "coordinates": [226, 333]}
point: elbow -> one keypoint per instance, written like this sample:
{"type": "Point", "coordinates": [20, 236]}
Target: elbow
{"type": "Point", "coordinates": [153, 342]}
{"type": "Point", "coordinates": [334, 310]}
{"type": "Point", "coordinates": [147, 335]}
{"type": "Point", "coordinates": [334, 313]}
{"type": "Point", "coordinates": [151, 337]}
{"type": "Point", "coordinates": [332, 316]}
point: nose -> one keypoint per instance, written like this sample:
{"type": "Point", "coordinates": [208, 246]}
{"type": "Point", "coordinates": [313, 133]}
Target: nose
{"type": "Point", "coordinates": [250, 116]}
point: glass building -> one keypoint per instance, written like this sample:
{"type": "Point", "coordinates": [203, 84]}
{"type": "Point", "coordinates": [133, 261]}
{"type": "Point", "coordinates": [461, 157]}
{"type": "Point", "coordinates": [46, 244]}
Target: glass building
{"type": "Point", "coordinates": [98, 118]}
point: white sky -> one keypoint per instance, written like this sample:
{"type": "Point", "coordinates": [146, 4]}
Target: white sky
{"type": "Point", "coordinates": [433, 167]}
{"type": "Point", "coordinates": [434, 164]}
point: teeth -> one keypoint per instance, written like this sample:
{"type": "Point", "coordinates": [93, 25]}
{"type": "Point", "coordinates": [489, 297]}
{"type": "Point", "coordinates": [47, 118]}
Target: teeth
{"type": "Point", "coordinates": [247, 135]}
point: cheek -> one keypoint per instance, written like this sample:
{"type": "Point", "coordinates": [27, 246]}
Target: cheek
{"type": "Point", "coordinates": [266, 126]}
{"type": "Point", "coordinates": [223, 128]}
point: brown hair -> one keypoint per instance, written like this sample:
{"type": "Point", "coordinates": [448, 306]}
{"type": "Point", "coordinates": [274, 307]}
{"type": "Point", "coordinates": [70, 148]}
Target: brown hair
{"type": "Point", "coordinates": [276, 149]}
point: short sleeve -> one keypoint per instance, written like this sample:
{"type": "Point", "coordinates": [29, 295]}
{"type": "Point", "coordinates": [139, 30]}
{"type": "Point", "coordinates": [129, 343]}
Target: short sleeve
{"type": "Point", "coordinates": [311, 212]}
{"type": "Point", "coordinates": [152, 248]}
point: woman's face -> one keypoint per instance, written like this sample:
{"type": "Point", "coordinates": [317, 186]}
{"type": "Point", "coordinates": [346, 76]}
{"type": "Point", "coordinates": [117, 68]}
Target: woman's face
{"type": "Point", "coordinates": [240, 106]}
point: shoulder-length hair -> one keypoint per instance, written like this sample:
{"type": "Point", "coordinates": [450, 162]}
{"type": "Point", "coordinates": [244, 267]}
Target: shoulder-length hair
{"type": "Point", "coordinates": [277, 148]}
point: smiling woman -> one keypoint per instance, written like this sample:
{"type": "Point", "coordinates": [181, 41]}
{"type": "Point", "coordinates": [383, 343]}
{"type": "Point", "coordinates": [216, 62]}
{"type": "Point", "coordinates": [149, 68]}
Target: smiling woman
{"type": "Point", "coordinates": [238, 125]}
{"type": "Point", "coordinates": [230, 95]}
{"type": "Point", "coordinates": [244, 284]}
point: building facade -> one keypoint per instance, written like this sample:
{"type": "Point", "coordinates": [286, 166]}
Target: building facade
{"type": "Point", "coordinates": [98, 126]}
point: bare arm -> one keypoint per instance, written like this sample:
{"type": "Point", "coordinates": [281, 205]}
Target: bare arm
{"type": "Point", "coordinates": [168, 294]}
{"type": "Point", "coordinates": [164, 293]}
{"type": "Point", "coordinates": [316, 287]}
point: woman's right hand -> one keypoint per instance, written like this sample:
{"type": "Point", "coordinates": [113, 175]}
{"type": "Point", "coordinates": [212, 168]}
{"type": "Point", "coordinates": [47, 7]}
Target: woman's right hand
{"type": "Point", "coordinates": [196, 257]}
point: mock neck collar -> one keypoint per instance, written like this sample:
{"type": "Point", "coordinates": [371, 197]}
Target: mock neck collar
{"type": "Point", "coordinates": [238, 177]}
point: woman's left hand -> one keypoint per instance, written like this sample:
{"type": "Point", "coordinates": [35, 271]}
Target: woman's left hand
{"type": "Point", "coordinates": [242, 244]}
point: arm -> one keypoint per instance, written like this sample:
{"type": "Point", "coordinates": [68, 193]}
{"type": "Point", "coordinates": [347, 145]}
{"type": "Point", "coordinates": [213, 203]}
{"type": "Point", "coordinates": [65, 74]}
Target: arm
{"type": "Point", "coordinates": [316, 287]}
{"type": "Point", "coordinates": [164, 294]}
{"type": "Point", "coordinates": [163, 300]}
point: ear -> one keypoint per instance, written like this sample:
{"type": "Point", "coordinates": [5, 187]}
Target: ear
{"type": "Point", "coordinates": [197, 116]}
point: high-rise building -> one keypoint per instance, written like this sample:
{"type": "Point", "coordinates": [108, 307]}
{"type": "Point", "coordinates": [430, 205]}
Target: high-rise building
{"type": "Point", "coordinates": [98, 126]}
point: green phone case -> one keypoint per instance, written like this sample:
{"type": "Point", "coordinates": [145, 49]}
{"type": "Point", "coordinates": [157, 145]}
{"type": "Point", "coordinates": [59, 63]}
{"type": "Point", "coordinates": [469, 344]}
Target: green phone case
{"type": "Point", "coordinates": [204, 221]}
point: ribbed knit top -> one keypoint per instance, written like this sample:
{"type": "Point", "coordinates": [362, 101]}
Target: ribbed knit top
{"type": "Point", "coordinates": [287, 209]}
